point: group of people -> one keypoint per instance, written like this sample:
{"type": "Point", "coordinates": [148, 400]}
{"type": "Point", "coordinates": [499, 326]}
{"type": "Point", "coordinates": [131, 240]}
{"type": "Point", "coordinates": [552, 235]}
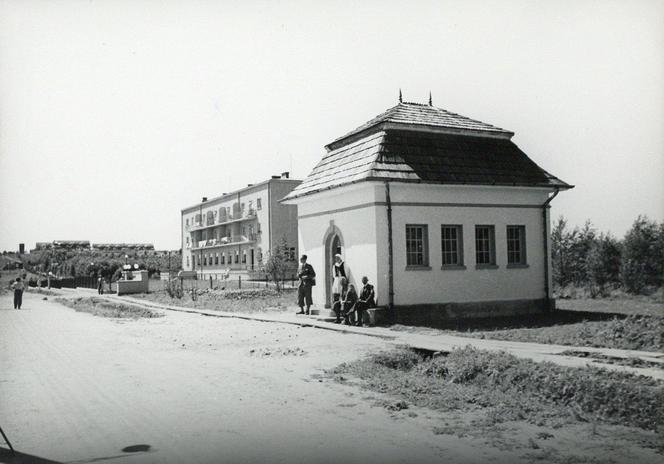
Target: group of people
{"type": "Point", "coordinates": [347, 305]}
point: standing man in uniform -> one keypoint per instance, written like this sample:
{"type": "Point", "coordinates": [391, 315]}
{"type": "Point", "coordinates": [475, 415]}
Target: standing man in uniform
{"type": "Point", "coordinates": [307, 277]}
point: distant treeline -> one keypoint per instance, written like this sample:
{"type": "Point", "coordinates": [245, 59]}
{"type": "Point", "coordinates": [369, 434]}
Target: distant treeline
{"type": "Point", "coordinates": [90, 263]}
{"type": "Point", "coordinates": [582, 257]}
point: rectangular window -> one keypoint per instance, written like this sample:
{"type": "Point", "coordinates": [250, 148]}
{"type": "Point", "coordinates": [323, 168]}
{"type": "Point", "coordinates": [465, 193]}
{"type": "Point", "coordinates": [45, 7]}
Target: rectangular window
{"type": "Point", "coordinates": [516, 245]}
{"type": "Point", "coordinates": [452, 244]}
{"type": "Point", "coordinates": [216, 258]}
{"type": "Point", "coordinates": [223, 259]}
{"type": "Point", "coordinates": [237, 257]}
{"type": "Point", "coordinates": [244, 257]}
{"type": "Point", "coordinates": [258, 204]}
{"type": "Point", "coordinates": [417, 253]}
{"type": "Point", "coordinates": [485, 247]}
{"type": "Point", "coordinates": [187, 261]}
{"type": "Point", "coordinates": [193, 261]}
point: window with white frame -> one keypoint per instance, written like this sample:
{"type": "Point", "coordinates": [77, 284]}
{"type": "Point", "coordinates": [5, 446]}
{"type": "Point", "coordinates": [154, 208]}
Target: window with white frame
{"type": "Point", "coordinates": [516, 245]}
{"type": "Point", "coordinates": [258, 204]}
{"type": "Point", "coordinates": [417, 253]}
{"type": "Point", "coordinates": [485, 246]}
{"type": "Point", "coordinates": [452, 244]}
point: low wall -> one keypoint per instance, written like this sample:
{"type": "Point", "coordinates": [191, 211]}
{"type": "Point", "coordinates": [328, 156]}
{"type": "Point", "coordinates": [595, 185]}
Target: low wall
{"type": "Point", "coordinates": [139, 284]}
{"type": "Point", "coordinates": [442, 314]}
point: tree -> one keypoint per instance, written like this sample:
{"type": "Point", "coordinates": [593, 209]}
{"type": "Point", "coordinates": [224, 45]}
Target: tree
{"type": "Point", "coordinates": [643, 255]}
{"type": "Point", "coordinates": [277, 263]}
{"type": "Point", "coordinates": [560, 252]}
{"type": "Point", "coordinates": [603, 264]}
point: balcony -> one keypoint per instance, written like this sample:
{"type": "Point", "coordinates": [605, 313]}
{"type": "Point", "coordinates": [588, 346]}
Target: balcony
{"type": "Point", "coordinates": [224, 242]}
{"type": "Point", "coordinates": [228, 219]}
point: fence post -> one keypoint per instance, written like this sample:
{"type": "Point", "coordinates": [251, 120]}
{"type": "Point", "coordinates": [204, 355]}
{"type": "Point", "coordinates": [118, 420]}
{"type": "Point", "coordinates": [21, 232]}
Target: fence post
{"type": "Point", "coordinates": [239, 282]}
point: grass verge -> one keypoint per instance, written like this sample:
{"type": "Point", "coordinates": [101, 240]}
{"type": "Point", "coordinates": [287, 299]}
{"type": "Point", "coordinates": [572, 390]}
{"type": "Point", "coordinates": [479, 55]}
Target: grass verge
{"type": "Point", "coordinates": [104, 308]}
{"type": "Point", "coordinates": [508, 388]}
{"type": "Point", "coordinates": [634, 332]}
{"type": "Point", "coordinates": [240, 301]}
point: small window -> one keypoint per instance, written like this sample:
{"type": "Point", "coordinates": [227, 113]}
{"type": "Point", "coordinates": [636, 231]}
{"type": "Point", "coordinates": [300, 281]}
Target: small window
{"type": "Point", "coordinates": [452, 244]}
{"type": "Point", "coordinates": [237, 257]}
{"type": "Point", "coordinates": [244, 257]}
{"type": "Point", "coordinates": [291, 252]}
{"type": "Point", "coordinates": [417, 253]}
{"type": "Point", "coordinates": [258, 203]}
{"type": "Point", "coordinates": [187, 222]}
{"type": "Point", "coordinates": [216, 258]}
{"type": "Point", "coordinates": [485, 248]}
{"type": "Point", "coordinates": [516, 245]}
{"type": "Point", "coordinates": [223, 259]}
{"type": "Point", "coordinates": [187, 261]}
{"type": "Point", "coordinates": [193, 261]}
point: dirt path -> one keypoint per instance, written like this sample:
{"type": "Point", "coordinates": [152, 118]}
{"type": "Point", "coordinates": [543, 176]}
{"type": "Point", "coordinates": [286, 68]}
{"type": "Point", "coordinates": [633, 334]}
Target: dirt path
{"type": "Point", "coordinates": [78, 388]}
{"type": "Point", "coordinates": [434, 340]}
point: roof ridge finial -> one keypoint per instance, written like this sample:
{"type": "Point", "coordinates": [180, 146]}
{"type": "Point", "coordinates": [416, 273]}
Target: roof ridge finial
{"type": "Point", "coordinates": [430, 99]}
{"type": "Point", "coordinates": [400, 96]}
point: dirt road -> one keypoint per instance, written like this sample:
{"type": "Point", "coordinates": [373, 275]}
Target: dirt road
{"type": "Point", "coordinates": [187, 388]}
{"type": "Point", "coordinates": [78, 388]}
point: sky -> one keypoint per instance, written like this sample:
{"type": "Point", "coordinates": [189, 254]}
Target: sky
{"type": "Point", "coordinates": [115, 115]}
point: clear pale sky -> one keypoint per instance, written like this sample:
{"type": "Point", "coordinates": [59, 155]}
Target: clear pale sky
{"type": "Point", "coordinates": [114, 115]}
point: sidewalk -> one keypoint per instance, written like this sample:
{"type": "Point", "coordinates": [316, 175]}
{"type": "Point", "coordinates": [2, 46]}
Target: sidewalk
{"type": "Point", "coordinates": [536, 351]}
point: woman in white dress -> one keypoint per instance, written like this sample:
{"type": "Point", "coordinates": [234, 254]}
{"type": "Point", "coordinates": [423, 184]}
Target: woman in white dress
{"type": "Point", "coordinates": [339, 271]}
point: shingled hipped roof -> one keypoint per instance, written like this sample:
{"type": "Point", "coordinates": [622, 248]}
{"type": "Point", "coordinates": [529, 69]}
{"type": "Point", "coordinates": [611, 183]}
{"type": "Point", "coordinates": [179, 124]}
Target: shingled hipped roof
{"type": "Point", "coordinates": [389, 148]}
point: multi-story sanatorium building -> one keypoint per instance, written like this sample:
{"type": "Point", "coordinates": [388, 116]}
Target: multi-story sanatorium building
{"type": "Point", "coordinates": [236, 230]}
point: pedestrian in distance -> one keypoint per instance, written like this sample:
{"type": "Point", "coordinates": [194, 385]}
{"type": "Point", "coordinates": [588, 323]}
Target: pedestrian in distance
{"type": "Point", "coordinates": [100, 285]}
{"type": "Point", "coordinates": [18, 288]}
{"type": "Point", "coordinates": [307, 277]}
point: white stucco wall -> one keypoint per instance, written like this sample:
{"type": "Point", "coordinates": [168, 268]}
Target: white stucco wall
{"type": "Point", "coordinates": [357, 227]}
{"type": "Point", "coordinates": [364, 230]}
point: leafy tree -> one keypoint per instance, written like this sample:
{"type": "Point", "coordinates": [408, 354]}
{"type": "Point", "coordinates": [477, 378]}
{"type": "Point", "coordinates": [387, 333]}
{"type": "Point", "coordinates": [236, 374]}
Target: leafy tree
{"type": "Point", "coordinates": [277, 262]}
{"type": "Point", "coordinates": [603, 264]}
{"type": "Point", "coordinates": [643, 255]}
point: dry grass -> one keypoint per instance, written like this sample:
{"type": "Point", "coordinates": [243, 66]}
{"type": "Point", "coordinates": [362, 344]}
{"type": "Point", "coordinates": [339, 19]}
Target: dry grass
{"type": "Point", "coordinates": [507, 388]}
{"type": "Point", "coordinates": [104, 308]}
{"type": "Point", "coordinates": [241, 301]}
{"type": "Point", "coordinates": [631, 333]}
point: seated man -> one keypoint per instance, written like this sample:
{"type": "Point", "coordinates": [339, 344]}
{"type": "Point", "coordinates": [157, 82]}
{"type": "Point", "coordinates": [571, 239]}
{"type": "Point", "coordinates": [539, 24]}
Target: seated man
{"type": "Point", "coordinates": [344, 306]}
{"type": "Point", "coordinates": [367, 300]}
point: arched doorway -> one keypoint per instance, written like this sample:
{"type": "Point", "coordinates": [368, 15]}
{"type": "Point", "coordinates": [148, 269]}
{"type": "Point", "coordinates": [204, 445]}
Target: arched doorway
{"type": "Point", "coordinates": [333, 244]}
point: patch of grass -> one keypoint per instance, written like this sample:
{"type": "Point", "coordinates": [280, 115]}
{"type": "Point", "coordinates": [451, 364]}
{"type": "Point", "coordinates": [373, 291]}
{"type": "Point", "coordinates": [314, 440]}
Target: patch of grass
{"type": "Point", "coordinates": [510, 388]}
{"type": "Point", "coordinates": [241, 301]}
{"type": "Point", "coordinates": [104, 308]}
{"type": "Point", "coordinates": [635, 332]}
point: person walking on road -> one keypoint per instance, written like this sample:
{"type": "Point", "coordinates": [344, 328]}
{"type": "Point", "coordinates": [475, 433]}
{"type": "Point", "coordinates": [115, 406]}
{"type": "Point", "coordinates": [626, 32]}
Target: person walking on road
{"type": "Point", "coordinates": [18, 288]}
{"type": "Point", "coordinates": [307, 277]}
{"type": "Point", "coordinates": [100, 285]}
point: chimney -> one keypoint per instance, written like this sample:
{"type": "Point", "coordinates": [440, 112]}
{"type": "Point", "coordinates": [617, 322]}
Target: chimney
{"type": "Point", "coordinates": [276, 177]}
{"type": "Point", "coordinates": [284, 175]}
{"type": "Point", "coordinates": [204, 200]}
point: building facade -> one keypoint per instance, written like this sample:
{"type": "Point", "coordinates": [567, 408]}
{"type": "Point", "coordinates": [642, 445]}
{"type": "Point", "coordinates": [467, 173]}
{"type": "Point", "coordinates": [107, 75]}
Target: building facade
{"type": "Point", "coordinates": [236, 230]}
{"type": "Point", "coordinates": [444, 214]}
